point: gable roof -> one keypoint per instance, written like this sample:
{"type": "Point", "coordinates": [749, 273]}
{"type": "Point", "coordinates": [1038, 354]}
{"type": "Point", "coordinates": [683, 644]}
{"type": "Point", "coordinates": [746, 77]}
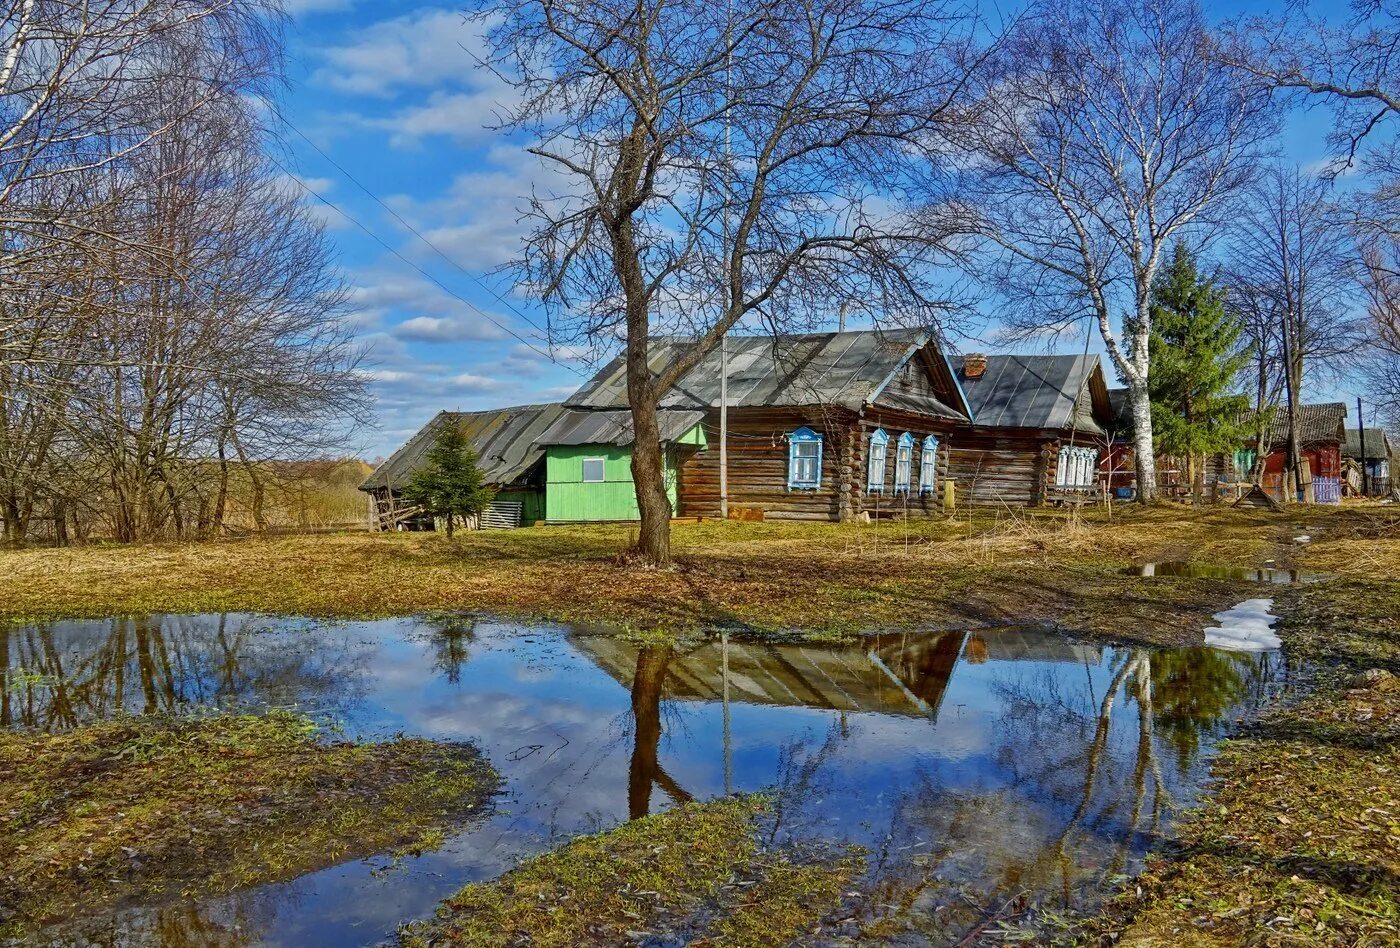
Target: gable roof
{"type": "Point", "coordinates": [846, 369]}
{"type": "Point", "coordinates": [1039, 391]}
{"type": "Point", "coordinates": [613, 427]}
{"type": "Point", "coordinates": [1321, 422]}
{"type": "Point", "coordinates": [505, 441]}
{"type": "Point", "coordinates": [1377, 444]}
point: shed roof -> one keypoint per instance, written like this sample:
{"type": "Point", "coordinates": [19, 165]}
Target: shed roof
{"type": "Point", "coordinates": [848, 369]}
{"type": "Point", "coordinates": [1325, 421]}
{"type": "Point", "coordinates": [1039, 391]}
{"type": "Point", "coordinates": [1377, 444]}
{"type": "Point", "coordinates": [506, 441]}
{"type": "Point", "coordinates": [613, 427]}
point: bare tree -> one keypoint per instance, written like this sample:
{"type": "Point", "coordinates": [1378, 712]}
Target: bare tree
{"type": "Point", "coordinates": [1294, 270]}
{"type": "Point", "coordinates": [723, 167]}
{"type": "Point", "coordinates": [1104, 131]}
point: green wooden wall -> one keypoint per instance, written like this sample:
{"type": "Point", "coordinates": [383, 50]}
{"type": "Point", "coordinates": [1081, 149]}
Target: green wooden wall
{"type": "Point", "coordinates": [569, 499]}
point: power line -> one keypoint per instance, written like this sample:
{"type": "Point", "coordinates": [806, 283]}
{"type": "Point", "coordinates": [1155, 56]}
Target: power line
{"type": "Point", "coordinates": [425, 274]}
{"type": "Point", "coordinates": [406, 225]}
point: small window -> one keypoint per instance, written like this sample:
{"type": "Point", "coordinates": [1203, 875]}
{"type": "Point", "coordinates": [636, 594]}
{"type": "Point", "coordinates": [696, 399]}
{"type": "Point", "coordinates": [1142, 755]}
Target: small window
{"type": "Point", "coordinates": [904, 463]}
{"type": "Point", "coordinates": [928, 466]}
{"type": "Point", "coordinates": [875, 471]}
{"type": "Point", "coordinates": [593, 470]}
{"type": "Point", "coordinates": [804, 460]}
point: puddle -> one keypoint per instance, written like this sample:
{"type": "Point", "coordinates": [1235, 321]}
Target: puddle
{"type": "Point", "coordinates": [996, 763]}
{"type": "Point", "coordinates": [1278, 577]}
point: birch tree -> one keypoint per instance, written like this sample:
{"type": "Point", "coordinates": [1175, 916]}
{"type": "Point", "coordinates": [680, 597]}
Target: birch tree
{"type": "Point", "coordinates": [723, 166]}
{"type": "Point", "coordinates": [1101, 133]}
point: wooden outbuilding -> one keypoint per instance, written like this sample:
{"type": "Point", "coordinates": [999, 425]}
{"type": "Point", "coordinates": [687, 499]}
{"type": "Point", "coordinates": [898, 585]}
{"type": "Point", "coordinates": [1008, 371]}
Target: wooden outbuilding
{"type": "Point", "coordinates": [506, 444]}
{"type": "Point", "coordinates": [1041, 424]}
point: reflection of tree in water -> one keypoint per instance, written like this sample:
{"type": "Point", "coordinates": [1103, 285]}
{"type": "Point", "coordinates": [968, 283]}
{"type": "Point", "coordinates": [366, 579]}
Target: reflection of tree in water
{"type": "Point", "coordinates": [1194, 689]}
{"type": "Point", "coordinates": [645, 771]}
{"type": "Point", "coordinates": [57, 675]}
{"type": "Point", "coordinates": [452, 637]}
{"type": "Point", "coordinates": [1095, 789]}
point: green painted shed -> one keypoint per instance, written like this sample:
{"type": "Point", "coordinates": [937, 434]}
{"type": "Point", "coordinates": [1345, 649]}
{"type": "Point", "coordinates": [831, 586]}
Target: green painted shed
{"type": "Point", "coordinates": [588, 462]}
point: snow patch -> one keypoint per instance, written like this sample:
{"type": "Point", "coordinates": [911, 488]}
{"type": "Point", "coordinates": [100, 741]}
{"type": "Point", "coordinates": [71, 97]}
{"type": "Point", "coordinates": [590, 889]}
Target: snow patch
{"type": "Point", "coordinates": [1248, 627]}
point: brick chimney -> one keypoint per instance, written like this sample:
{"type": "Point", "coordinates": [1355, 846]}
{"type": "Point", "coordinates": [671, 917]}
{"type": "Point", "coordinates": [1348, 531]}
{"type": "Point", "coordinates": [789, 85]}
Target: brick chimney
{"type": "Point", "coordinates": [974, 365]}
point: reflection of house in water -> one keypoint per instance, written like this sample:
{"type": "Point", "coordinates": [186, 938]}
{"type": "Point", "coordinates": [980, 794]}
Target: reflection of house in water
{"type": "Point", "coordinates": [904, 674]}
{"type": "Point", "coordinates": [893, 675]}
{"type": "Point", "coordinates": [1029, 645]}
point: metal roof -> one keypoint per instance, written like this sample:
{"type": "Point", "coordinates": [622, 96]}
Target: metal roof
{"type": "Point", "coordinates": [847, 369]}
{"type": "Point", "coordinates": [1377, 444]}
{"type": "Point", "coordinates": [506, 441]}
{"type": "Point", "coordinates": [613, 427]}
{"type": "Point", "coordinates": [1321, 422]}
{"type": "Point", "coordinates": [1039, 391]}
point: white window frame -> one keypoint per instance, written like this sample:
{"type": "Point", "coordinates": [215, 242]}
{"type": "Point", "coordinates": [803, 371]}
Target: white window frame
{"type": "Point", "coordinates": [1077, 468]}
{"type": "Point", "coordinates": [875, 464]}
{"type": "Point", "coordinates": [802, 438]}
{"type": "Point", "coordinates": [602, 477]}
{"type": "Point", "coordinates": [904, 463]}
{"type": "Point", "coordinates": [928, 466]}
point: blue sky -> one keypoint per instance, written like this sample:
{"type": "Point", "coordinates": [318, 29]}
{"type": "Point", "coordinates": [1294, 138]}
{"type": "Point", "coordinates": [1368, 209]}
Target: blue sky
{"type": "Point", "coordinates": [387, 91]}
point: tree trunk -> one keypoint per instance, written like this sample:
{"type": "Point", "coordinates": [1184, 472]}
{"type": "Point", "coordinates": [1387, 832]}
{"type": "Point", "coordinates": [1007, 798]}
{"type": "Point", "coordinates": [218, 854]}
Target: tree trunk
{"type": "Point", "coordinates": [1141, 405]}
{"type": "Point", "coordinates": [648, 474]}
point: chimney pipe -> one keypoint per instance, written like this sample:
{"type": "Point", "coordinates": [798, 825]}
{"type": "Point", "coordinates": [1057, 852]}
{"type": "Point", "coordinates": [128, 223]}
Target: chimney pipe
{"type": "Point", "coordinates": [974, 365]}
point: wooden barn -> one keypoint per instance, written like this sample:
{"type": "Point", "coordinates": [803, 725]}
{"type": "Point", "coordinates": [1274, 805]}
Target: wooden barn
{"type": "Point", "coordinates": [1040, 425]}
{"type": "Point", "coordinates": [1370, 455]}
{"type": "Point", "coordinates": [506, 441]}
{"type": "Point", "coordinates": [1321, 435]}
{"type": "Point", "coordinates": [824, 426]}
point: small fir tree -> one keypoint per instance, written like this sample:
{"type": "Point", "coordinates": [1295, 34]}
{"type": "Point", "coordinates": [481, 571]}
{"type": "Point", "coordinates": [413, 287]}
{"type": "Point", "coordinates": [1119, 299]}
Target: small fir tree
{"type": "Point", "coordinates": [449, 484]}
{"type": "Point", "coordinates": [1196, 355]}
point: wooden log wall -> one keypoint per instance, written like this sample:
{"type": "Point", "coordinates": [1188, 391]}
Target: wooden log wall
{"type": "Point", "coordinates": [758, 466]}
{"type": "Point", "coordinates": [995, 467]}
{"type": "Point", "coordinates": [887, 503]}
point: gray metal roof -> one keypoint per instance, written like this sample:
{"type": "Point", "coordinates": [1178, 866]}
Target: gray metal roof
{"type": "Point", "coordinates": [506, 441]}
{"type": "Point", "coordinates": [1377, 444]}
{"type": "Point", "coordinates": [613, 427]}
{"type": "Point", "coordinates": [847, 369]}
{"type": "Point", "coordinates": [1039, 391]}
{"type": "Point", "coordinates": [1316, 423]}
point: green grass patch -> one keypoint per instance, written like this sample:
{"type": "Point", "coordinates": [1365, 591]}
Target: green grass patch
{"type": "Point", "coordinates": [152, 806]}
{"type": "Point", "coordinates": [696, 872]}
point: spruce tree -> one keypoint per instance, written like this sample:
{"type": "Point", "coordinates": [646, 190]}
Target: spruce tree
{"type": "Point", "coordinates": [1196, 355]}
{"type": "Point", "coordinates": [449, 484]}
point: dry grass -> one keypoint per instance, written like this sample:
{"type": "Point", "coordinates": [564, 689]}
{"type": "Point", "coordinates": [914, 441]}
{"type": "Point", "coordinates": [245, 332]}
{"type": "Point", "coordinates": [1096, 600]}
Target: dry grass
{"type": "Point", "coordinates": [1050, 566]}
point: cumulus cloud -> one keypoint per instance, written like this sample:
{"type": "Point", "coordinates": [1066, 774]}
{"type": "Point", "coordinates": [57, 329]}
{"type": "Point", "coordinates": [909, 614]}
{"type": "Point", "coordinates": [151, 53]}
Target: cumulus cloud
{"type": "Point", "coordinates": [429, 314]}
{"type": "Point", "coordinates": [423, 49]}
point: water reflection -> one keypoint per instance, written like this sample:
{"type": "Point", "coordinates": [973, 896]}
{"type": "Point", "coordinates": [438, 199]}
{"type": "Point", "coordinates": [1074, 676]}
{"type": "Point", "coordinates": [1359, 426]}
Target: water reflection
{"type": "Point", "coordinates": [974, 767]}
{"type": "Point", "coordinates": [1265, 574]}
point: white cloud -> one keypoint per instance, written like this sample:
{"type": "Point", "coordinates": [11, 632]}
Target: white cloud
{"type": "Point", "coordinates": [437, 329]}
{"type": "Point", "coordinates": [423, 49]}
{"type": "Point", "coordinates": [477, 221]}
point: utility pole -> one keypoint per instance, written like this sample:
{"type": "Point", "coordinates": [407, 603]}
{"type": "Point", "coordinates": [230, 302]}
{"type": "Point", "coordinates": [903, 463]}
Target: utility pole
{"type": "Point", "coordinates": [726, 253]}
{"type": "Point", "coordinates": [1361, 432]}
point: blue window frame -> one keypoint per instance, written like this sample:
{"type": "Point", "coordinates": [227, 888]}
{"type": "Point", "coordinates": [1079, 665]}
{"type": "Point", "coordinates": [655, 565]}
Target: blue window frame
{"type": "Point", "coordinates": [875, 469]}
{"type": "Point", "coordinates": [804, 460]}
{"type": "Point", "coordinates": [904, 463]}
{"type": "Point", "coordinates": [928, 466]}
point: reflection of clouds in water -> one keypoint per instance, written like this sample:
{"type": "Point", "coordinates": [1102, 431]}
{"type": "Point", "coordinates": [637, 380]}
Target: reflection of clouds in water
{"type": "Point", "coordinates": [983, 759]}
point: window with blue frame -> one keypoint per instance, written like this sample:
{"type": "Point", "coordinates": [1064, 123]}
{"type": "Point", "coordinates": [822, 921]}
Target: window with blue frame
{"type": "Point", "coordinates": [804, 460]}
{"type": "Point", "coordinates": [875, 469]}
{"type": "Point", "coordinates": [904, 463]}
{"type": "Point", "coordinates": [928, 466]}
